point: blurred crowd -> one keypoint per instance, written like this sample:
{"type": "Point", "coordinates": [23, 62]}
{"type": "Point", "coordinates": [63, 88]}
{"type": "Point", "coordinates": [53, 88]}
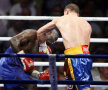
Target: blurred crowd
{"type": "Point", "coordinates": [88, 8]}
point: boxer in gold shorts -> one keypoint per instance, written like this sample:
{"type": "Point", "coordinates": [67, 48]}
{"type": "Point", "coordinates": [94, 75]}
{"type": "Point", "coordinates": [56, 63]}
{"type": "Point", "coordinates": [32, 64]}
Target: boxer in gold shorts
{"type": "Point", "coordinates": [76, 33]}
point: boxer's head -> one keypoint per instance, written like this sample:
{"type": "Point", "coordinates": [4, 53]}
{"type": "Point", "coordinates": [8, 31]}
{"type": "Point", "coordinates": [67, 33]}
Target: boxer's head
{"type": "Point", "coordinates": [71, 8]}
{"type": "Point", "coordinates": [26, 40]}
{"type": "Point", "coordinates": [52, 36]}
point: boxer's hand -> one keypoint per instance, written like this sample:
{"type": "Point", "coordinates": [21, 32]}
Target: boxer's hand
{"type": "Point", "coordinates": [28, 64]}
{"type": "Point", "coordinates": [44, 75]}
{"type": "Point", "coordinates": [44, 49]}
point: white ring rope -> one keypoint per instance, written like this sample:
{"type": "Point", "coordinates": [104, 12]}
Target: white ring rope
{"type": "Point", "coordinates": [92, 40]}
{"type": "Point", "coordinates": [63, 86]}
{"type": "Point", "coordinates": [103, 86]}
{"type": "Point", "coordinates": [62, 64]}
{"type": "Point", "coordinates": [5, 38]}
{"type": "Point", "coordinates": [48, 18]}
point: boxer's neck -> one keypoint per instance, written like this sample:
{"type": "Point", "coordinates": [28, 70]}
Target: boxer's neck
{"type": "Point", "coordinates": [73, 14]}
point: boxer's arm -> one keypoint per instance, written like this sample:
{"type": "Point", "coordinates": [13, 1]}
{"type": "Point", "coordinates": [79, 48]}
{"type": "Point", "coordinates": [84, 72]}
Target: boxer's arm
{"type": "Point", "coordinates": [42, 32]}
{"type": "Point", "coordinates": [47, 27]}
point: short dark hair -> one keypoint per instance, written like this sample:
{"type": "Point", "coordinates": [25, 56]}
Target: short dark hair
{"type": "Point", "coordinates": [72, 7]}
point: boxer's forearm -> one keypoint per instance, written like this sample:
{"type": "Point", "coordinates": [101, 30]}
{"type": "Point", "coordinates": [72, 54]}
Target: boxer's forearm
{"type": "Point", "coordinates": [47, 27]}
{"type": "Point", "coordinates": [41, 32]}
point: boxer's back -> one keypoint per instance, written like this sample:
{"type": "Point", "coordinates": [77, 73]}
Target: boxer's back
{"type": "Point", "coordinates": [74, 30]}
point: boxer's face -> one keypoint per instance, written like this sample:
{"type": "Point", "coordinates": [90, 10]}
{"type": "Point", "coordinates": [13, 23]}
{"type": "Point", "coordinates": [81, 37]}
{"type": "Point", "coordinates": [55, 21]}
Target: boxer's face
{"type": "Point", "coordinates": [26, 41]}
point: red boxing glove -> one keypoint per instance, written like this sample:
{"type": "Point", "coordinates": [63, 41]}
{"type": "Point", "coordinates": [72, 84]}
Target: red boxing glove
{"type": "Point", "coordinates": [28, 64]}
{"type": "Point", "coordinates": [44, 75]}
{"type": "Point", "coordinates": [44, 49]}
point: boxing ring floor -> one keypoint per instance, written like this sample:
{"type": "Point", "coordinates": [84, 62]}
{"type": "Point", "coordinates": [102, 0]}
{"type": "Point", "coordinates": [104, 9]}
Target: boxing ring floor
{"type": "Point", "coordinates": [52, 58]}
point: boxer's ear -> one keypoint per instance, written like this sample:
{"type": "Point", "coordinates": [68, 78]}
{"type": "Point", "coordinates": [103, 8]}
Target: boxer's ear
{"type": "Point", "coordinates": [14, 43]}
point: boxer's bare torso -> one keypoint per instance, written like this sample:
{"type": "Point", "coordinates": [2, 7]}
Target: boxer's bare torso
{"type": "Point", "coordinates": [75, 30]}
